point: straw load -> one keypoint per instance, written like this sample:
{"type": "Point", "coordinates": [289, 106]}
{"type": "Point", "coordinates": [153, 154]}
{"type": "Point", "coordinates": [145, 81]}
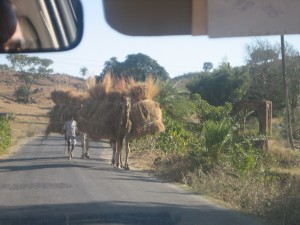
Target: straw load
{"type": "Point", "coordinates": [67, 103]}
{"type": "Point", "coordinates": [146, 118]}
{"type": "Point", "coordinates": [104, 109]}
{"type": "Point", "coordinates": [103, 118]}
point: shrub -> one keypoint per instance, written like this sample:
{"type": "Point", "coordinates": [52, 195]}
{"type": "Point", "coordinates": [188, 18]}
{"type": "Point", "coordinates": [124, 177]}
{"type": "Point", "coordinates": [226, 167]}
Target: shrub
{"type": "Point", "coordinates": [22, 93]}
{"type": "Point", "coordinates": [5, 135]}
{"type": "Point", "coordinates": [175, 138]}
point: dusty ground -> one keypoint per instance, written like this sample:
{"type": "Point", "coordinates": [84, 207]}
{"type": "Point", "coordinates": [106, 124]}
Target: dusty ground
{"type": "Point", "coordinates": [31, 119]}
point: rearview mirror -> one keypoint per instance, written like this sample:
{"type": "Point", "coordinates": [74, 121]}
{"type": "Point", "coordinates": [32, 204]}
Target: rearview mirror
{"type": "Point", "coordinates": [40, 25]}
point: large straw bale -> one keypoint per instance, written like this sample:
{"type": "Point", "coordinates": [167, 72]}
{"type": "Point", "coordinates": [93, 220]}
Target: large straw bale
{"type": "Point", "coordinates": [100, 118]}
{"type": "Point", "coordinates": [68, 97]}
{"type": "Point", "coordinates": [144, 90]}
{"type": "Point", "coordinates": [58, 115]}
{"type": "Point", "coordinates": [101, 90]}
{"type": "Point", "coordinates": [146, 118]}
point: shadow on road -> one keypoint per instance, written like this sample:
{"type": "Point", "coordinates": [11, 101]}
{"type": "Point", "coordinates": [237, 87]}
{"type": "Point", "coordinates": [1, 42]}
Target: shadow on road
{"type": "Point", "coordinates": [116, 213]}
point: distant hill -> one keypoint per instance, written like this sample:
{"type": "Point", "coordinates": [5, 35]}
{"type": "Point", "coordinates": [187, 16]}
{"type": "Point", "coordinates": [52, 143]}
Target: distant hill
{"type": "Point", "coordinates": [180, 82]}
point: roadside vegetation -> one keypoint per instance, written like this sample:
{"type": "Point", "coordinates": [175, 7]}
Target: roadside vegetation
{"type": "Point", "coordinates": [5, 134]}
{"type": "Point", "coordinates": [205, 146]}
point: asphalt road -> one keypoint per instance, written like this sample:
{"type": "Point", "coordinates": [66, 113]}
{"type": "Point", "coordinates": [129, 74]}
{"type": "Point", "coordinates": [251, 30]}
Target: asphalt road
{"type": "Point", "coordinates": [39, 185]}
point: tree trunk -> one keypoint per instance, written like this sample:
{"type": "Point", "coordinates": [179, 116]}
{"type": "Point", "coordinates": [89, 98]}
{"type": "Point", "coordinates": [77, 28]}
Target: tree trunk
{"type": "Point", "coordinates": [289, 127]}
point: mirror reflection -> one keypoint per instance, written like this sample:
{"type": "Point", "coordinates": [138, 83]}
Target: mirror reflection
{"type": "Point", "coordinates": [40, 25]}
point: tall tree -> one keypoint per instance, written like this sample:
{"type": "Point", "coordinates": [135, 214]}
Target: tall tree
{"type": "Point", "coordinates": [264, 62]}
{"type": "Point", "coordinates": [208, 66]}
{"type": "Point", "coordinates": [29, 69]}
{"type": "Point", "coordinates": [137, 66]}
{"type": "Point", "coordinates": [289, 126]}
{"type": "Point", "coordinates": [292, 64]}
{"type": "Point", "coordinates": [83, 71]}
{"type": "Point", "coordinates": [225, 84]}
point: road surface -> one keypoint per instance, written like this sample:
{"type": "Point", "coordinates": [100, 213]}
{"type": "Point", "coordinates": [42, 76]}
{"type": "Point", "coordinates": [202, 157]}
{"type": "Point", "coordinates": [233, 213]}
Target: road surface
{"type": "Point", "coordinates": [39, 185]}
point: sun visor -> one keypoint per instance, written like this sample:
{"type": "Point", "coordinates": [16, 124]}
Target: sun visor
{"type": "Point", "coordinates": [149, 17]}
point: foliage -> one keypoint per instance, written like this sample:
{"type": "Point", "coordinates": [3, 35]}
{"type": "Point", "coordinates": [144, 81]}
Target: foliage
{"type": "Point", "coordinates": [292, 61]}
{"type": "Point", "coordinates": [4, 67]}
{"type": "Point", "coordinates": [220, 140]}
{"type": "Point", "coordinates": [264, 62]}
{"type": "Point", "coordinates": [138, 66]}
{"type": "Point", "coordinates": [175, 139]}
{"type": "Point", "coordinates": [206, 112]}
{"type": "Point", "coordinates": [5, 134]}
{"type": "Point", "coordinates": [207, 66]}
{"type": "Point", "coordinates": [83, 71]}
{"type": "Point", "coordinates": [222, 85]}
{"type": "Point", "coordinates": [29, 68]}
{"type": "Point", "coordinates": [22, 93]}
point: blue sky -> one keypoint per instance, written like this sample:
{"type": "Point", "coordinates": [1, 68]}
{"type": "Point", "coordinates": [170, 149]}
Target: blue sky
{"type": "Point", "coordinates": [177, 54]}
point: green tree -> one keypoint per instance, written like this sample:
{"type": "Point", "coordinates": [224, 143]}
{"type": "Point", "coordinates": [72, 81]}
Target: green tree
{"type": "Point", "coordinates": [29, 69]}
{"type": "Point", "coordinates": [138, 66]}
{"type": "Point", "coordinates": [292, 61]}
{"type": "Point", "coordinates": [264, 63]}
{"type": "Point", "coordinates": [83, 71]}
{"type": "Point", "coordinates": [223, 85]}
{"type": "Point", "coordinates": [208, 66]}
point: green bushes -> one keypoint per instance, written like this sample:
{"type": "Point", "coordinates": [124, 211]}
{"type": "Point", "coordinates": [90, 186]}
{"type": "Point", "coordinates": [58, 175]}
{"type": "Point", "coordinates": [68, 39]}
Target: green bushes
{"type": "Point", "coordinates": [22, 93]}
{"type": "Point", "coordinates": [5, 135]}
{"type": "Point", "coordinates": [175, 138]}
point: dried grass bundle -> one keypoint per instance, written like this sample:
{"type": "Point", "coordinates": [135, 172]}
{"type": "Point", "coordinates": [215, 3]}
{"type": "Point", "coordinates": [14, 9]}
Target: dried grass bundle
{"type": "Point", "coordinates": [146, 118]}
{"type": "Point", "coordinates": [68, 97]}
{"type": "Point", "coordinates": [58, 115]}
{"type": "Point", "coordinates": [101, 119]}
{"type": "Point", "coordinates": [99, 91]}
{"type": "Point", "coordinates": [144, 90]}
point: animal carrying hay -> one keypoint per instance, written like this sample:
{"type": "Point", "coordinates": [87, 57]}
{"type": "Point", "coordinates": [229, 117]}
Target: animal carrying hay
{"type": "Point", "coordinates": [146, 118]}
{"type": "Point", "coordinates": [101, 118]}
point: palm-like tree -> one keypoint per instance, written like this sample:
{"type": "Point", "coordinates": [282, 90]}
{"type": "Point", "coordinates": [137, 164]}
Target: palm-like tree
{"type": "Point", "coordinates": [83, 71]}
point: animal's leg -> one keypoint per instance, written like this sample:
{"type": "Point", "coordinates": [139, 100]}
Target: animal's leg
{"type": "Point", "coordinates": [69, 146]}
{"type": "Point", "coordinates": [120, 153]}
{"type": "Point", "coordinates": [83, 145]}
{"type": "Point", "coordinates": [127, 153]}
{"type": "Point", "coordinates": [113, 146]}
{"type": "Point", "coordinates": [117, 155]}
{"type": "Point", "coordinates": [87, 146]}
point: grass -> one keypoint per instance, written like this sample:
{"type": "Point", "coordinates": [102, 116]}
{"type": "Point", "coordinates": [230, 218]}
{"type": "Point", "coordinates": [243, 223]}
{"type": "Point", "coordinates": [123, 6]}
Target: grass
{"type": "Point", "coordinates": [271, 192]}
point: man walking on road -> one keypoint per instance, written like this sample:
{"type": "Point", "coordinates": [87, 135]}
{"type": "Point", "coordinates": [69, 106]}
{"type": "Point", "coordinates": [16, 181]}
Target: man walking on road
{"type": "Point", "coordinates": [70, 128]}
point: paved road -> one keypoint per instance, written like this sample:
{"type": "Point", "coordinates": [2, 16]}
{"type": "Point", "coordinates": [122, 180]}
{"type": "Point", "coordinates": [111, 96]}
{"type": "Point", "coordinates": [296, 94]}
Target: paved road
{"type": "Point", "coordinates": [39, 185]}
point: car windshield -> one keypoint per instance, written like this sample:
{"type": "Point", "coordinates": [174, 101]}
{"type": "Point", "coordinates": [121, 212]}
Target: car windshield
{"type": "Point", "coordinates": [150, 129]}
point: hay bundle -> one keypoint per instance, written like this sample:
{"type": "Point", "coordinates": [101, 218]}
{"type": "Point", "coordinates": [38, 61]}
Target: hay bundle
{"type": "Point", "coordinates": [68, 97]}
{"type": "Point", "coordinates": [146, 118]}
{"type": "Point", "coordinates": [99, 91]}
{"type": "Point", "coordinates": [101, 118]}
{"type": "Point", "coordinates": [143, 90]}
{"type": "Point", "coordinates": [58, 115]}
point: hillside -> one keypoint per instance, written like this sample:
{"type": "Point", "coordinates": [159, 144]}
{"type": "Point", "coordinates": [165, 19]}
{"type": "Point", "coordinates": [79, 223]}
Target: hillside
{"type": "Point", "coordinates": [31, 119]}
{"type": "Point", "coordinates": [180, 82]}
